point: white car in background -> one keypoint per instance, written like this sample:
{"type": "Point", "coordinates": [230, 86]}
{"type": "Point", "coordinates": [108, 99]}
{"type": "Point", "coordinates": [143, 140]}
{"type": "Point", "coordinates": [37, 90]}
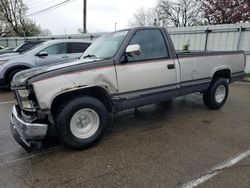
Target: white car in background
{"type": "Point", "coordinates": [46, 53]}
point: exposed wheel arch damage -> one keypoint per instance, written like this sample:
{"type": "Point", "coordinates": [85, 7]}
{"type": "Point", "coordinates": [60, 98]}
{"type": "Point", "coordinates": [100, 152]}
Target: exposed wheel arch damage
{"type": "Point", "coordinates": [95, 91]}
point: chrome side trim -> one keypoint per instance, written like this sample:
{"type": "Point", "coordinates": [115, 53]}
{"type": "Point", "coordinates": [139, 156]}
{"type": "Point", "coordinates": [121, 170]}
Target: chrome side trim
{"type": "Point", "coordinates": [195, 82]}
{"type": "Point", "coordinates": [138, 93]}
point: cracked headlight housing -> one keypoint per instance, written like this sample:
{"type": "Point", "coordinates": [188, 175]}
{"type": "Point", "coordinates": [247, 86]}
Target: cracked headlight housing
{"type": "Point", "coordinates": [27, 104]}
{"type": "Point", "coordinates": [23, 96]}
{"type": "Point", "coordinates": [23, 93]}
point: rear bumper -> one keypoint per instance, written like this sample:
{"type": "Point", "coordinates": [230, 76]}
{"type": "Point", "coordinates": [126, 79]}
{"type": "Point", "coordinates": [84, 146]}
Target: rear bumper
{"type": "Point", "coordinates": [26, 133]}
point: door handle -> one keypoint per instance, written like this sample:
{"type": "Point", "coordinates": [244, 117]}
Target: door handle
{"type": "Point", "coordinates": [171, 66]}
{"type": "Point", "coordinates": [65, 57]}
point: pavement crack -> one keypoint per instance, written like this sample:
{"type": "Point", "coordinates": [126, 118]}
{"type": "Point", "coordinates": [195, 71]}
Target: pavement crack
{"type": "Point", "coordinates": [65, 182]}
{"type": "Point", "coordinates": [20, 177]}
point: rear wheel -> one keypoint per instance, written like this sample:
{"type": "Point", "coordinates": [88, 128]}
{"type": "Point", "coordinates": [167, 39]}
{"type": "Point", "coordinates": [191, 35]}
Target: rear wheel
{"type": "Point", "coordinates": [82, 122]}
{"type": "Point", "coordinates": [216, 95]}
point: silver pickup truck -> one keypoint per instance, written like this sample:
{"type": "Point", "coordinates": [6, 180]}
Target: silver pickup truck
{"type": "Point", "coordinates": [120, 70]}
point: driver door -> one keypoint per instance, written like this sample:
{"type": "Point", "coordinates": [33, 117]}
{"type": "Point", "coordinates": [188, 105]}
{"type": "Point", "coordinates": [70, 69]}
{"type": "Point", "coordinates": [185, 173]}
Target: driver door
{"type": "Point", "coordinates": [56, 53]}
{"type": "Point", "coordinates": [152, 70]}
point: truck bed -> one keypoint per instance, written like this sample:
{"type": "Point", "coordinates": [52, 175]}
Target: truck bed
{"type": "Point", "coordinates": [212, 61]}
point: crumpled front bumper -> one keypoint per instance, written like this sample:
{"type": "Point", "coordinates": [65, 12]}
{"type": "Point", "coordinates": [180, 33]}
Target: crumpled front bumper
{"type": "Point", "coordinates": [26, 133]}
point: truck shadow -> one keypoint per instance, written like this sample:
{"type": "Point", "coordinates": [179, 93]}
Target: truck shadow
{"type": "Point", "coordinates": [5, 91]}
{"type": "Point", "coordinates": [158, 115]}
{"type": "Point", "coordinates": [148, 117]}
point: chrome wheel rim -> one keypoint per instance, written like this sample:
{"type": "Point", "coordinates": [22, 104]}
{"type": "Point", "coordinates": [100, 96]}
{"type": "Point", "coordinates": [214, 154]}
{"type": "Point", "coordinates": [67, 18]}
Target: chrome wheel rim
{"type": "Point", "coordinates": [84, 123]}
{"type": "Point", "coordinates": [220, 94]}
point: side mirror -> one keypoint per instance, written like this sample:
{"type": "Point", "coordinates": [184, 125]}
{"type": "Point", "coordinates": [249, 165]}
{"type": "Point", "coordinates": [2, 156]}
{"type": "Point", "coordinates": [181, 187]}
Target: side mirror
{"type": "Point", "coordinates": [42, 54]}
{"type": "Point", "coordinates": [133, 50]}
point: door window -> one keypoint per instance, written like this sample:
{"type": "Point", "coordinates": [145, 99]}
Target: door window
{"type": "Point", "coordinates": [55, 49]}
{"type": "Point", "coordinates": [77, 47]}
{"type": "Point", "coordinates": [152, 45]}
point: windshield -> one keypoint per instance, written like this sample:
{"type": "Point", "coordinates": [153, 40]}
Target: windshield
{"type": "Point", "coordinates": [26, 47]}
{"type": "Point", "coordinates": [16, 49]}
{"type": "Point", "coordinates": [106, 46]}
{"type": "Point", "coordinates": [33, 48]}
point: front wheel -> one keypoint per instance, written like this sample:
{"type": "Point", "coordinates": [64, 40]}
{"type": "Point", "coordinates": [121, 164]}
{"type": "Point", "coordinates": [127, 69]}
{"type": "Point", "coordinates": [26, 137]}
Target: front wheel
{"type": "Point", "coordinates": [216, 95]}
{"type": "Point", "coordinates": [11, 75]}
{"type": "Point", "coordinates": [82, 122]}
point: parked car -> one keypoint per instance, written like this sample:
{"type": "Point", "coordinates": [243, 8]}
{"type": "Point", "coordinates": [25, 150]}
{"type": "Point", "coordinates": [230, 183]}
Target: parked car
{"type": "Point", "coordinates": [120, 70]}
{"type": "Point", "coordinates": [47, 53]}
{"type": "Point", "coordinates": [24, 47]}
{"type": "Point", "coordinates": [6, 50]}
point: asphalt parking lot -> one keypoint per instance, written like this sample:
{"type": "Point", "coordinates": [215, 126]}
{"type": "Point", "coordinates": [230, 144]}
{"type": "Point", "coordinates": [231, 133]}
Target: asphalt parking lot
{"type": "Point", "coordinates": [173, 144]}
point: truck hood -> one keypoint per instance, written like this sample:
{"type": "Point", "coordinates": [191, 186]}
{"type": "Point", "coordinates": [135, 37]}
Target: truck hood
{"type": "Point", "coordinates": [21, 78]}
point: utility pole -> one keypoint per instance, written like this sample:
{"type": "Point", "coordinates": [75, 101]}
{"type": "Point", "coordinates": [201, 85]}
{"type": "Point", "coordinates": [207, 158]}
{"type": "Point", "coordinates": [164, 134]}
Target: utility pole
{"type": "Point", "coordinates": [115, 26]}
{"type": "Point", "coordinates": [84, 16]}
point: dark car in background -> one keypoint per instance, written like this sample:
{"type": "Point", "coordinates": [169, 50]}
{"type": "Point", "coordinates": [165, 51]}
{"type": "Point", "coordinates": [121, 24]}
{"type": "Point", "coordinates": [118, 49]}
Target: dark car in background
{"type": "Point", "coordinates": [24, 47]}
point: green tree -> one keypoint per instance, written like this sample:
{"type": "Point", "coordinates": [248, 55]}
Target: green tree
{"type": "Point", "coordinates": [14, 21]}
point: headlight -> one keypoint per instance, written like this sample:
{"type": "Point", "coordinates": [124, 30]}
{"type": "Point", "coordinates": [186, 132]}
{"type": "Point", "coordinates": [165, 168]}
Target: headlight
{"type": "Point", "coordinates": [3, 61]}
{"type": "Point", "coordinates": [27, 104]}
{"type": "Point", "coordinates": [23, 93]}
{"type": "Point", "coordinates": [23, 99]}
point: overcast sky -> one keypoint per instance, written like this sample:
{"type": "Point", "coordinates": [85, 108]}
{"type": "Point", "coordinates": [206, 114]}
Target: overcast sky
{"type": "Point", "coordinates": [101, 14]}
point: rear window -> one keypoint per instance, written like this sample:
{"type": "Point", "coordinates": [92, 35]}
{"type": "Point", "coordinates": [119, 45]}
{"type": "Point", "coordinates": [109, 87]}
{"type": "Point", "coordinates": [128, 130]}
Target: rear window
{"type": "Point", "coordinates": [77, 47]}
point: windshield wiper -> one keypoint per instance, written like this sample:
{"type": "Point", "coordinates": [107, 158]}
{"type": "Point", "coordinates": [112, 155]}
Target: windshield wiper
{"type": "Point", "coordinates": [89, 56]}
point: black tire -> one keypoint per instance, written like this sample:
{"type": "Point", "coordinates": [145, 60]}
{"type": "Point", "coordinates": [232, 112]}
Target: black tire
{"type": "Point", "coordinates": [69, 110]}
{"type": "Point", "coordinates": [11, 75]}
{"type": "Point", "coordinates": [209, 96]}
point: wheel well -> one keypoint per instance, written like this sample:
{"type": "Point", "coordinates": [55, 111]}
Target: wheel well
{"type": "Point", "coordinates": [225, 73]}
{"type": "Point", "coordinates": [11, 69]}
{"type": "Point", "coordinates": [96, 92]}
